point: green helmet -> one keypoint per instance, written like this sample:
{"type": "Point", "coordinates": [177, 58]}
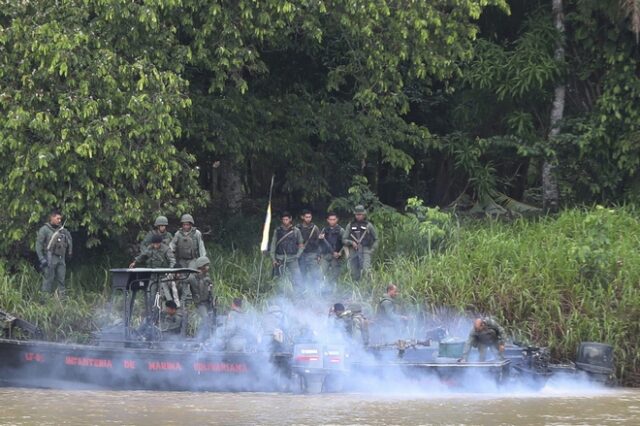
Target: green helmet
{"type": "Point", "coordinates": [187, 218]}
{"type": "Point", "coordinates": [202, 261]}
{"type": "Point", "coordinates": [161, 220]}
{"type": "Point", "coordinates": [359, 209]}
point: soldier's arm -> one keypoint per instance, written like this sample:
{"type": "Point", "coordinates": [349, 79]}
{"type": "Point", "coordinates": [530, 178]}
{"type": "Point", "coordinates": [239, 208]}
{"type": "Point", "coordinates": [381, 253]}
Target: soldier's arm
{"type": "Point", "coordinates": [346, 237]}
{"type": "Point", "coordinates": [339, 242]}
{"type": "Point", "coordinates": [170, 257]}
{"type": "Point", "coordinates": [201, 248]}
{"type": "Point", "coordinates": [374, 235]}
{"type": "Point", "coordinates": [172, 244]}
{"type": "Point", "coordinates": [298, 235]}
{"type": "Point", "coordinates": [274, 241]}
{"type": "Point", "coordinates": [499, 330]}
{"type": "Point", "coordinates": [41, 244]}
{"type": "Point", "coordinates": [147, 239]}
{"type": "Point", "coordinates": [142, 257]}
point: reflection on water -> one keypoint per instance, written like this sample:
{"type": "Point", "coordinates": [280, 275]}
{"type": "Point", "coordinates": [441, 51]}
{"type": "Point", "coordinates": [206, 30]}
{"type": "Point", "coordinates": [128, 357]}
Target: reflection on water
{"type": "Point", "coordinates": [551, 406]}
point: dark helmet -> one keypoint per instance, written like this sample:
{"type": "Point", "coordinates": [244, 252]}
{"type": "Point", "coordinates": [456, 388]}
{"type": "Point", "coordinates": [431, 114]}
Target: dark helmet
{"type": "Point", "coordinates": [202, 261]}
{"type": "Point", "coordinates": [359, 209]}
{"type": "Point", "coordinates": [161, 220]}
{"type": "Point", "coordinates": [187, 218]}
{"type": "Point", "coordinates": [156, 239]}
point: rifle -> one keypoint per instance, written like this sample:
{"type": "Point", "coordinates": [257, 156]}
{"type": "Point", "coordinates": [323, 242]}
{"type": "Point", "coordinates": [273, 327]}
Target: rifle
{"type": "Point", "coordinates": [48, 248]}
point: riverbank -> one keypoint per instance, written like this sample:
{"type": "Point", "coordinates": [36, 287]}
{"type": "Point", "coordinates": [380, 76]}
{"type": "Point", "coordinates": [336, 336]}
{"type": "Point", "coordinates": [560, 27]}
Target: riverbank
{"type": "Point", "coordinates": [551, 281]}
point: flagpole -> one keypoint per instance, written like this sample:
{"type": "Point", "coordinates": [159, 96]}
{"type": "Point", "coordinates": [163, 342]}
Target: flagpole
{"type": "Point", "coordinates": [264, 244]}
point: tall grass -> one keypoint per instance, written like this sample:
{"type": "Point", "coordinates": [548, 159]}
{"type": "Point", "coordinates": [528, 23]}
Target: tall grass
{"type": "Point", "coordinates": [551, 281]}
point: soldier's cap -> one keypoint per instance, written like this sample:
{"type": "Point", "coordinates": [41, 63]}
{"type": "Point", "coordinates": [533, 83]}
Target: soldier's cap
{"type": "Point", "coordinates": [156, 239]}
{"type": "Point", "coordinates": [359, 209]}
{"type": "Point", "coordinates": [355, 308]}
{"type": "Point", "coordinates": [171, 304]}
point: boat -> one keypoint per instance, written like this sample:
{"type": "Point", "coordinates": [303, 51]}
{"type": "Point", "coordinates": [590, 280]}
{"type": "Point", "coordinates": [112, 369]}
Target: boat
{"type": "Point", "coordinates": [132, 354]}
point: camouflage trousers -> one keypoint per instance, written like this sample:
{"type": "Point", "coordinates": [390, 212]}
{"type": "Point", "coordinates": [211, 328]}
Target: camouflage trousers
{"type": "Point", "coordinates": [331, 268]}
{"type": "Point", "coordinates": [291, 269]}
{"type": "Point", "coordinates": [54, 275]}
{"type": "Point", "coordinates": [310, 270]}
{"type": "Point", "coordinates": [484, 341]}
{"type": "Point", "coordinates": [360, 262]}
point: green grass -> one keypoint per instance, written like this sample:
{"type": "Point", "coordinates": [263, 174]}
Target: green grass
{"type": "Point", "coordinates": [551, 281]}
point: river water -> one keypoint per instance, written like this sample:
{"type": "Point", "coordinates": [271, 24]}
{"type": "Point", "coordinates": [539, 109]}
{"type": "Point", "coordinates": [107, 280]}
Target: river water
{"type": "Point", "coordinates": [550, 406]}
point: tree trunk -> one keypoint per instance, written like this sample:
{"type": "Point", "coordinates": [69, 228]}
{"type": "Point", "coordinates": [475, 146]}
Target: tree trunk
{"type": "Point", "coordinates": [550, 194]}
{"type": "Point", "coordinates": [231, 183]}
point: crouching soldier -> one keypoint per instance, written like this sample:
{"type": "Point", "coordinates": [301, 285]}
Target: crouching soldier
{"type": "Point", "coordinates": [486, 333]}
{"type": "Point", "coordinates": [171, 320]}
{"type": "Point", "coordinates": [201, 288]}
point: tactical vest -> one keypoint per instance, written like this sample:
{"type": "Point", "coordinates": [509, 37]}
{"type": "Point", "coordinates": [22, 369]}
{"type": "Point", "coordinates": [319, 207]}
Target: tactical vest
{"type": "Point", "coordinates": [358, 233]}
{"type": "Point", "coordinates": [201, 289]}
{"type": "Point", "coordinates": [361, 323]}
{"type": "Point", "coordinates": [187, 245]}
{"type": "Point", "coordinates": [333, 236]}
{"type": "Point", "coordinates": [157, 258]}
{"type": "Point", "coordinates": [289, 245]}
{"type": "Point", "coordinates": [310, 240]}
{"type": "Point", "coordinates": [59, 244]}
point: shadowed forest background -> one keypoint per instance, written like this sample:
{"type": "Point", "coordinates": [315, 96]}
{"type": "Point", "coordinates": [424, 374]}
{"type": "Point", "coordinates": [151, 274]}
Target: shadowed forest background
{"type": "Point", "coordinates": [116, 111]}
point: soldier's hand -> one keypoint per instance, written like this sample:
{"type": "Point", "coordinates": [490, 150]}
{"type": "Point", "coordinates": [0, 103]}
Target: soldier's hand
{"type": "Point", "coordinates": [501, 347]}
{"type": "Point", "coordinates": [321, 236]}
{"type": "Point", "coordinates": [355, 245]}
{"type": "Point", "coordinates": [44, 263]}
{"type": "Point", "coordinates": [275, 263]}
{"type": "Point", "coordinates": [132, 265]}
{"type": "Point", "coordinates": [336, 255]}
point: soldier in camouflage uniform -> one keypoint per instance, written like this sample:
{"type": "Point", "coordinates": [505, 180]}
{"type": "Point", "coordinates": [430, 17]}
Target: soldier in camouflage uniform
{"type": "Point", "coordinates": [286, 248]}
{"type": "Point", "coordinates": [486, 333]}
{"type": "Point", "coordinates": [158, 255]}
{"type": "Point", "coordinates": [159, 228]}
{"type": "Point", "coordinates": [171, 320]}
{"type": "Point", "coordinates": [359, 325]}
{"type": "Point", "coordinates": [362, 240]}
{"type": "Point", "coordinates": [342, 319]}
{"type": "Point", "coordinates": [202, 295]}
{"type": "Point", "coordinates": [309, 260]}
{"type": "Point", "coordinates": [331, 249]}
{"type": "Point", "coordinates": [237, 335]}
{"type": "Point", "coordinates": [187, 244]}
{"type": "Point", "coordinates": [53, 244]}
{"type": "Point", "coordinates": [388, 321]}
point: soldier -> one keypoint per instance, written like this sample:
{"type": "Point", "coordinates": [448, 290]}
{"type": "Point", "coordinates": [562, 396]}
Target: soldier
{"type": "Point", "coordinates": [53, 244]}
{"type": "Point", "coordinates": [273, 330]}
{"type": "Point", "coordinates": [359, 325]}
{"type": "Point", "coordinates": [309, 260]}
{"type": "Point", "coordinates": [388, 320]}
{"type": "Point", "coordinates": [236, 332]}
{"type": "Point", "coordinates": [171, 319]}
{"type": "Point", "coordinates": [361, 237]}
{"type": "Point", "coordinates": [159, 255]}
{"type": "Point", "coordinates": [486, 333]}
{"type": "Point", "coordinates": [331, 249]}
{"type": "Point", "coordinates": [187, 243]}
{"type": "Point", "coordinates": [160, 228]}
{"type": "Point", "coordinates": [286, 248]}
{"type": "Point", "coordinates": [201, 292]}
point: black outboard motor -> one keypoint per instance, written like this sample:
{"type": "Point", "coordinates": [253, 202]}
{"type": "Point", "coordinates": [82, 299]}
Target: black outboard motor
{"type": "Point", "coordinates": [596, 359]}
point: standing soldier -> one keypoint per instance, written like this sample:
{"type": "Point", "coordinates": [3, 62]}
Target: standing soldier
{"type": "Point", "coordinates": [201, 293]}
{"type": "Point", "coordinates": [53, 243]}
{"type": "Point", "coordinates": [187, 244]}
{"type": "Point", "coordinates": [388, 320]}
{"type": "Point", "coordinates": [309, 261]}
{"type": "Point", "coordinates": [361, 237]}
{"type": "Point", "coordinates": [159, 228]}
{"type": "Point", "coordinates": [286, 248]}
{"type": "Point", "coordinates": [158, 255]}
{"type": "Point", "coordinates": [331, 249]}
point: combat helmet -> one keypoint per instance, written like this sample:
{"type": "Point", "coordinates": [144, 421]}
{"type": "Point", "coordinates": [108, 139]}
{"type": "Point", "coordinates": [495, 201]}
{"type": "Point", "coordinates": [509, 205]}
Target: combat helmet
{"type": "Point", "coordinates": [359, 209]}
{"type": "Point", "coordinates": [187, 218]}
{"type": "Point", "coordinates": [202, 261]}
{"type": "Point", "coordinates": [160, 221]}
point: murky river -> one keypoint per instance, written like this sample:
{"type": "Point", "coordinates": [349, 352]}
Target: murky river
{"type": "Point", "coordinates": [550, 406]}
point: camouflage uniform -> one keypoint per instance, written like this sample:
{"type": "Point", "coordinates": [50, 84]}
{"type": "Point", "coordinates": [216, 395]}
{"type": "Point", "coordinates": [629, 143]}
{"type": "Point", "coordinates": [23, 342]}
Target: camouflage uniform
{"type": "Point", "coordinates": [388, 321]}
{"type": "Point", "coordinates": [236, 333]}
{"type": "Point", "coordinates": [492, 336]}
{"type": "Point", "coordinates": [187, 247]}
{"type": "Point", "coordinates": [364, 234]}
{"type": "Point", "coordinates": [201, 292]}
{"type": "Point", "coordinates": [166, 238]}
{"type": "Point", "coordinates": [286, 248]}
{"type": "Point", "coordinates": [359, 326]}
{"type": "Point", "coordinates": [52, 254]}
{"type": "Point", "coordinates": [331, 266]}
{"type": "Point", "coordinates": [161, 257]}
{"type": "Point", "coordinates": [308, 261]}
{"type": "Point", "coordinates": [171, 324]}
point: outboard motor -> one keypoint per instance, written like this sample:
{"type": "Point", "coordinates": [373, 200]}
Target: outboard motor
{"type": "Point", "coordinates": [596, 359]}
{"type": "Point", "coordinates": [319, 367]}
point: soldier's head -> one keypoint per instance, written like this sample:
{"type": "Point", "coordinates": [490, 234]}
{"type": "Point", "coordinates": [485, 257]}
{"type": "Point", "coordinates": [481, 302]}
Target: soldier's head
{"type": "Point", "coordinates": [161, 224]}
{"type": "Point", "coordinates": [186, 222]}
{"type": "Point", "coordinates": [55, 217]}
{"type": "Point", "coordinates": [236, 304]}
{"type": "Point", "coordinates": [170, 307]}
{"type": "Point", "coordinates": [360, 213]}
{"type": "Point", "coordinates": [338, 309]}
{"type": "Point", "coordinates": [285, 218]}
{"type": "Point", "coordinates": [306, 216]}
{"type": "Point", "coordinates": [479, 324]}
{"type": "Point", "coordinates": [392, 291]}
{"type": "Point", "coordinates": [156, 241]}
{"type": "Point", "coordinates": [202, 264]}
{"type": "Point", "coordinates": [332, 219]}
